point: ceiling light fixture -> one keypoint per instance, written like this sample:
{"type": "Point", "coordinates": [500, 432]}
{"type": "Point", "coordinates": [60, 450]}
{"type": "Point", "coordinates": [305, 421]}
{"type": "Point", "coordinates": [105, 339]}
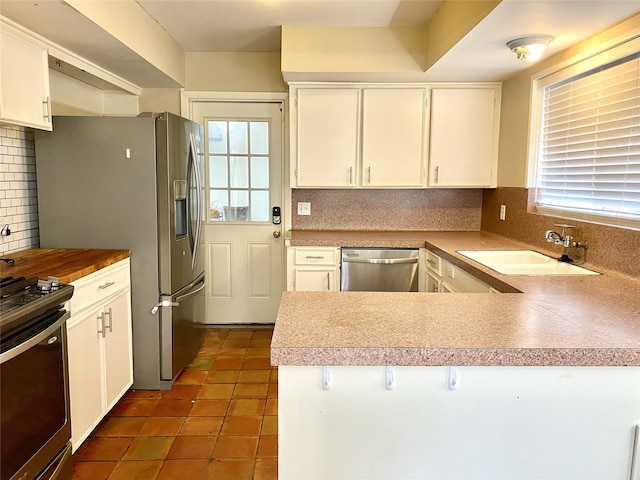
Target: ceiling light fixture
{"type": "Point", "coordinates": [529, 48]}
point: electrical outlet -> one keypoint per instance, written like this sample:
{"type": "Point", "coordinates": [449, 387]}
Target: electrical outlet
{"type": "Point", "coordinates": [304, 208]}
{"type": "Point", "coordinates": [503, 212]}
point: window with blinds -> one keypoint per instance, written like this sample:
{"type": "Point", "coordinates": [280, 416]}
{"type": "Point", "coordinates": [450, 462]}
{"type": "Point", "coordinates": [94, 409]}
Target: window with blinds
{"type": "Point", "coordinates": [589, 151]}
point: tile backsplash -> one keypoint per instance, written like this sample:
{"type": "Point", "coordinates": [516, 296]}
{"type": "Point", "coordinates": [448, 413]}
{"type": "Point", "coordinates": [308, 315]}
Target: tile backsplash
{"type": "Point", "coordinates": [394, 209]}
{"type": "Point", "coordinates": [18, 192]}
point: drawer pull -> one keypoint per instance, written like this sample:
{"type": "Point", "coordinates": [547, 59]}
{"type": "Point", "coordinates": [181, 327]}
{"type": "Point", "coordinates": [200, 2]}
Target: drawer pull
{"type": "Point", "coordinates": [314, 257]}
{"type": "Point", "coordinates": [106, 285]}
{"type": "Point", "coordinates": [432, 263]}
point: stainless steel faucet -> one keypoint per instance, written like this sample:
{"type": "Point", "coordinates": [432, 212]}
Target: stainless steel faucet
{"type": "Point", "coordinates": [565, 240]}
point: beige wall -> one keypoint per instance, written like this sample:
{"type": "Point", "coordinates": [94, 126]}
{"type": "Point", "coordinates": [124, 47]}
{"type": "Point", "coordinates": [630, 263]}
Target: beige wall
{"type": "Point", "coordinates": [160, 100]}
{"type": "Point", "coordinates": [130, 24]}
{"type": "Point", "coordinates": [516, 94]}
{"type": "Point", "coordinates": [70, 96]}
{"type": "Point", "coordinates": [234, 72]}
{"type": "Point", "coordinates": [312, 50]}
{"type": "Point", "coordinates": [219, 72]}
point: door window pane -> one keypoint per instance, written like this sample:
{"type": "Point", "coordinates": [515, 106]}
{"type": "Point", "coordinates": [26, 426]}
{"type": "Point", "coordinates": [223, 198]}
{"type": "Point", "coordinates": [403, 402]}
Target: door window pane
{"type": "Point", "coordinates": [217, 137]}
{"type": "Point", "coordinates": [238, 137]}
{"type": "Point", "coordinates": [218, 173]}
{"type": "Point", "coordinates": [238, 170]}
{"type": "Point", "coordinates": [219, 199]}
{"type": "Point", "coordinates": [260, 138]}
{"type": "Point", "coordinates": [260, 206]}
{"type": "Point", "coordinates": [238, 211]}
{"type": "Point", "coordinates": [260, 172]}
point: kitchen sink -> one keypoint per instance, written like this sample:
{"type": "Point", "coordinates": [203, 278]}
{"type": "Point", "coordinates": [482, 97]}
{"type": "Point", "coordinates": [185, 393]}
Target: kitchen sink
{"type": "Point", "coordinates": [523, 262]}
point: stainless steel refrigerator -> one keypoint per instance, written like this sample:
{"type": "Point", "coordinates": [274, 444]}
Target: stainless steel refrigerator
{"type": "Point", "coordinates": [134, 183]}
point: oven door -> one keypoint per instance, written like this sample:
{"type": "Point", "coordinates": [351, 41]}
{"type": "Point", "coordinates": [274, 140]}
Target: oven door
{"type": "Point", "coordinates": [34, 406]}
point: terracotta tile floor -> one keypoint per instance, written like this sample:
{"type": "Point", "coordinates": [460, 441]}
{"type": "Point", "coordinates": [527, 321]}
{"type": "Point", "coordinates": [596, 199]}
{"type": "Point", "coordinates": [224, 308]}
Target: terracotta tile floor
{"type": "Point", "coordinates": [218, 422]}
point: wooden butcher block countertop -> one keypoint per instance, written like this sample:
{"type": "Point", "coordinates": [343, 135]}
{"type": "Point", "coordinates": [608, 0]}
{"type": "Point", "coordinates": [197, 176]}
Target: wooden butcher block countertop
{"type": "Point", "coordinates": [66, 264]}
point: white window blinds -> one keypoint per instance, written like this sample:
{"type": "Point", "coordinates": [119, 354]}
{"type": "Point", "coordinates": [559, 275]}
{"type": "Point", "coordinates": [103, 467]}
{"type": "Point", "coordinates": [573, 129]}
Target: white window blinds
{"type": "Point", "coordinates": [589, 159]}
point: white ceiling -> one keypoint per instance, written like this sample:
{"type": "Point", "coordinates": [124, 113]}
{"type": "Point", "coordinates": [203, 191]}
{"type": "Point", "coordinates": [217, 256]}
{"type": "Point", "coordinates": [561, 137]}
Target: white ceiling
{"type": "Point", "coordinates": [254, 26]}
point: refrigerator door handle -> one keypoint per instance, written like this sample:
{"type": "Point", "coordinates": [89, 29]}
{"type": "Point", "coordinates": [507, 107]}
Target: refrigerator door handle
{"type": "Point", "coordinates": [184, 296]}
{"type": "Point", "coordinates": [188, 286]}
{"type": "Point", "coordinates": [174, 299]}
{"type": "Point", "coordinates": [195, 165]}
{"type": "Point", "coordinates": [165, 301]}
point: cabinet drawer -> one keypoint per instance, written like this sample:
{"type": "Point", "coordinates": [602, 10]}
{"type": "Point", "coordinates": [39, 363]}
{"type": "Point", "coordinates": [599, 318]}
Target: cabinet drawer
{"type": "Point", "coordinates": [99, 285]}
{"type": "Point", "coordinates": [434, 263]}
{"type": "Point", "coordinates": [316, 256]}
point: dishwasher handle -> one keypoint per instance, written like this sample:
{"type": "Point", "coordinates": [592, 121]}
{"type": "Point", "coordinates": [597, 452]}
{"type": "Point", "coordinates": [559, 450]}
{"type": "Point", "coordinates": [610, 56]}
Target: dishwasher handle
{"type": "Point", "coordinates": [385, 261]}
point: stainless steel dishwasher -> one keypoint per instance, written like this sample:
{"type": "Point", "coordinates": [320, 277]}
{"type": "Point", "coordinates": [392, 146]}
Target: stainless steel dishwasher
{"type": "Point", "coordinates": [379, 270]}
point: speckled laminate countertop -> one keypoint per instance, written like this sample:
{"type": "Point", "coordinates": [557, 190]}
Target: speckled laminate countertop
{"type": "Point", "coordinates": [578, 320]}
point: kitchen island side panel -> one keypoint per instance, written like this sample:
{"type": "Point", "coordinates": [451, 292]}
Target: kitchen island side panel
{"type": "Point", "coordinates": [509, 423]}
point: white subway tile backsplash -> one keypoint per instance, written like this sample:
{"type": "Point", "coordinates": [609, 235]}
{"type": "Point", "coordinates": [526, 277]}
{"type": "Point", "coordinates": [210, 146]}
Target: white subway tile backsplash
{"type": "Point", "coordinates": [18, 189]}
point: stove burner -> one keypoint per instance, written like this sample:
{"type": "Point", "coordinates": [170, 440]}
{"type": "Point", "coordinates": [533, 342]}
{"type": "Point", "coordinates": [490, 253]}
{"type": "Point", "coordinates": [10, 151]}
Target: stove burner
{"type": "Point", "coordinates": [22, 299]}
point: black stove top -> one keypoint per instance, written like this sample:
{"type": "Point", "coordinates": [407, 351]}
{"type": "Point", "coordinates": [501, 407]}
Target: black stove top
{"type": "Point", "coordinates": [24, 300]}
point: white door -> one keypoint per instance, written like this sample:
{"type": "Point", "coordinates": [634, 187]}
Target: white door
{"type": "Point", "coordinates": [243, 183]}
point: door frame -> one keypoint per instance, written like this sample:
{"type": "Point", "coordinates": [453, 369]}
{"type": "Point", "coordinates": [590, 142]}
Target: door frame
{"type": "Point", "coordinates": [188, 98]}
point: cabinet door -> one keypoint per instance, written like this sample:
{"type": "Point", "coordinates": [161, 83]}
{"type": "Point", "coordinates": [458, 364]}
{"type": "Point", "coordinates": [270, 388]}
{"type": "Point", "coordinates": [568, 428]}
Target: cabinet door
{"type": "Point", "coordinates": [432, 283]}
{"type": "Point", "coordinates": [393, 137]}
{"type": "Point", "coordinates": [308, 280]}
{"type": "Point", "coordinates": [85, 373]}
{"type": "Point", "coordinates": [326, 137]}
{"type": "Point", "coordinates": [24, 81]}
{"type": "Point", "coordinates": [118, 363]}
{"type": "Point", "coordinates": [463, 138]}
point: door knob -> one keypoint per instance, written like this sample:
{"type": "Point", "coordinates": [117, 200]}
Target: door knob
{"type": "Point", "coordinates": [276, 234]}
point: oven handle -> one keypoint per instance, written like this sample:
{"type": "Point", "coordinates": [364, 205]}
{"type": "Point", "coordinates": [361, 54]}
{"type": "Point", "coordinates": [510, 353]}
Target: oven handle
{"type": "Point", "coordinates": [23, 347]}
{"type": "Point", "coordinates": [62, 459]}
{"type": "Point", "coordinates": [386, 261]}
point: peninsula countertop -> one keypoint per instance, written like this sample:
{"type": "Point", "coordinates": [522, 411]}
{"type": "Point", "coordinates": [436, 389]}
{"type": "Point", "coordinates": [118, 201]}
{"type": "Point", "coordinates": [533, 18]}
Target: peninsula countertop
{"type": "Point", "coordinates": [555, 320]}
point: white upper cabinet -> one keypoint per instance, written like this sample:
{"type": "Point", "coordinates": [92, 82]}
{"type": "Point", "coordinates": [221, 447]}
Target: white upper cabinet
{"type": "Point", "coordinates": [24, 80]}
{"type": "Point", "coordinates": [393, 137]}
{"type": "Point", "coordinates": [326, 137]}
{"type": "Point", "coordinates": [358, 137]}
{"type": "Point", "coordinates": [463, 139]}
{"type": "Point", "coordinates": [380, 136]}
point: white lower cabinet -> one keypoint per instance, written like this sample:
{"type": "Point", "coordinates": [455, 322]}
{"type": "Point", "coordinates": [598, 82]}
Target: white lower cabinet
{"type": "Point", "coordinates": [441, 276]}
{"type": "Point", "coordinates": [510, 423]}
{"type": "Point", "coordinates": [313, 269]}
{"type": "Point", "coordinates": [432, 283]}
{"type": "Point", "coordinates": [99, 347]}
{"type": "Point", "coordinates": [457, 280]}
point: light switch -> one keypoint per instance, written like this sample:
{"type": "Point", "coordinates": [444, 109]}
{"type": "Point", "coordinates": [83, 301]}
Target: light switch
{"type": "Point", "coordinates": [304, 208]}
